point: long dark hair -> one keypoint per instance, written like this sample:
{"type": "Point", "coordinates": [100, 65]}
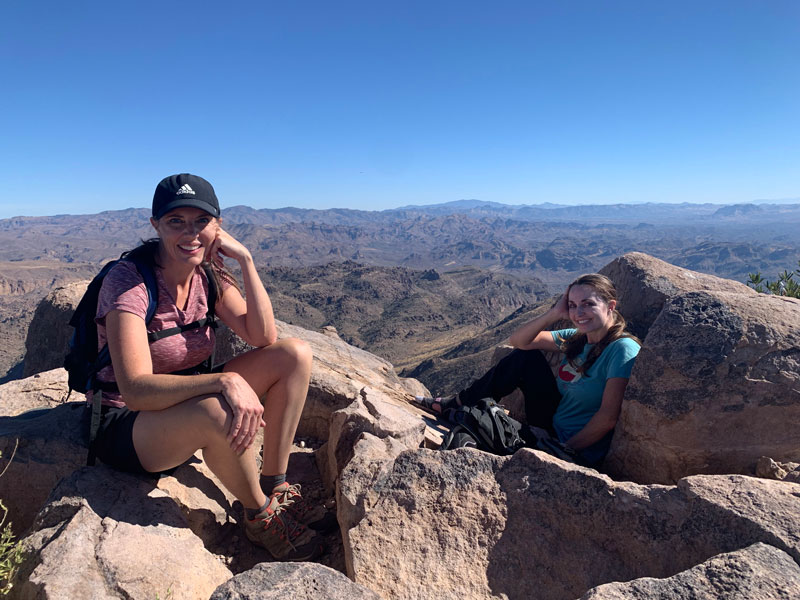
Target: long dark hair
{"type": "Point", "coordinates": [574, 345]}
{"type": "Point", "coordinates": [147, 252]}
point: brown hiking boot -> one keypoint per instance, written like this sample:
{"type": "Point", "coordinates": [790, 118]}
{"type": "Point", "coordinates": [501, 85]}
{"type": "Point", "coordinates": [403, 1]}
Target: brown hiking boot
{"type": "Point", "coordinates": [315, 517]}
{"type": "Point", "coordinates": [282, 535]}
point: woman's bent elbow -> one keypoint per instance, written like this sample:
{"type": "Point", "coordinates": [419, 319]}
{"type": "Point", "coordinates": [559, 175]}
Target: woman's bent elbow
{"type": "Point", "coordinates": [264, 340]}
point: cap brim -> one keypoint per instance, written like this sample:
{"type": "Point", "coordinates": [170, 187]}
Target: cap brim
{"type": "Point", "coordinates": [191, 202]}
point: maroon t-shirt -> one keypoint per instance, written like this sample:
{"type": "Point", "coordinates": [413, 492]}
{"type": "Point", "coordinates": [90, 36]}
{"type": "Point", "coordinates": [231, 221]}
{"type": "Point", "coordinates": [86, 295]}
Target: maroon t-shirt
{"type": "Point", "coordinates": [123, 289]}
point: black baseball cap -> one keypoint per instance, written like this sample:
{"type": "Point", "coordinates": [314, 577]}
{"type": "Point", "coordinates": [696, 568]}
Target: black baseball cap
{"type": "Point", "coordinates": [184, 190]}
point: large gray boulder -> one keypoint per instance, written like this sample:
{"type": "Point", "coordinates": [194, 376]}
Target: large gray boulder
{"type": "Point", "coordinates": [299, 581]}
{"type": "Point", "coordinates": [759, 572]}
{"type": "Point", "coordinates": [105, 534]}
{"type": "Point", "coordinates": [465, 524]}
{"type": "Point", "coordinates": [644, 284]}
{"type": "Point", "coordinates": [715, 387]}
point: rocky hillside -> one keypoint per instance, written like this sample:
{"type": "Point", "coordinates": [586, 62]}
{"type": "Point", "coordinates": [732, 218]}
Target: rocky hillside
{"type": "Point", "coordinates": [404, 315]}
{"type": "Point", "coordinates": [698, 499]}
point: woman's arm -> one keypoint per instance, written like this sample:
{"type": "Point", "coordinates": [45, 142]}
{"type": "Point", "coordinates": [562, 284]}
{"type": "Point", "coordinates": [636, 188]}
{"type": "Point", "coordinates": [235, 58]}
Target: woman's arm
{"type": "Point", "coordinates": [143, 390]}
{"type": "Point", "coordinates": [253, 319]}
{"type": "Point", "coordinates": [605, 419]}
{"type": "Point", "coordinates": [534, 335]}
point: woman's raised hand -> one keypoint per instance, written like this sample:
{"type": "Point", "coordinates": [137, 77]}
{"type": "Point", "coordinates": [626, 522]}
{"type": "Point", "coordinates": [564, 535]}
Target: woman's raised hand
{"type": "Point", "coordinates": [560, 309]}
{"type": "Point", "coordinates": [226, 245]}
{"type": "Point", "coordinates": [247, 411]}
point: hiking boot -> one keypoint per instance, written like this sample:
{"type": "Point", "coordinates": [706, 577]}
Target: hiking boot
{"type": "Point", "coordinates": [314, 516]}
{"type": "Point", "coordinates": [278, 532]}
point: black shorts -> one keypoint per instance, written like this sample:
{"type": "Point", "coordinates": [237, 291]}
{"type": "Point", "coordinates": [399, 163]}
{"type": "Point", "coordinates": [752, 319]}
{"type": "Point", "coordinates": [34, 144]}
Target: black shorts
{"type": "Point", "coordinates": [114, 441]}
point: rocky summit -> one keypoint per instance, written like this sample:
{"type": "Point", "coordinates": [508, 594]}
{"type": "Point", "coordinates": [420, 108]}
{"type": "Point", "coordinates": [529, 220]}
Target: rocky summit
{"type": "Point", "coordinates": [698, 498]}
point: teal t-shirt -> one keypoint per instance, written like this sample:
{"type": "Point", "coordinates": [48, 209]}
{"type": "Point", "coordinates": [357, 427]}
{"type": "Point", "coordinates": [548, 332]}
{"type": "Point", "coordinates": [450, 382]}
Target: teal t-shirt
{"type": "Point", "coordinates": [581, 395]}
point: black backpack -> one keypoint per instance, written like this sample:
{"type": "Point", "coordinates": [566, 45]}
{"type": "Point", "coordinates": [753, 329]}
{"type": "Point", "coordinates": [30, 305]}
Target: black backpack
{"type": "Point", "coordinates": [83, 360]}
{"type": "Point", "coordinates": [484, 426]}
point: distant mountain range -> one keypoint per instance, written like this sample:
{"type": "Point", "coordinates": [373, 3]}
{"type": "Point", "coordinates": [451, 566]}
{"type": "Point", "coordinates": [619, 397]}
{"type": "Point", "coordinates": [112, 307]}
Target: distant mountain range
{"type": "Point", "coordinates": [487, 258]}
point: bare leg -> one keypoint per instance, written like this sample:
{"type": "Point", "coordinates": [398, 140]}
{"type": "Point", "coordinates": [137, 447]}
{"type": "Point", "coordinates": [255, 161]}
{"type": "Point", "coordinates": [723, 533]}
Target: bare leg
{"type": "Point", "coordinates": [280, 373]}
{"type": "Point", "coordinates": [166, 438]}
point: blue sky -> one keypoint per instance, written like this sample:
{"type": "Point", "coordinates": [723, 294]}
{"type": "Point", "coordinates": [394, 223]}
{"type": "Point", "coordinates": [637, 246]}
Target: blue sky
{"type": "Point", "coordinates": [373, 105]}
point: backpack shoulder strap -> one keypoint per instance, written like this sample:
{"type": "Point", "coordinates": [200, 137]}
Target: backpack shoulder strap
{"type": "Point", "coordinates": [148, 273]}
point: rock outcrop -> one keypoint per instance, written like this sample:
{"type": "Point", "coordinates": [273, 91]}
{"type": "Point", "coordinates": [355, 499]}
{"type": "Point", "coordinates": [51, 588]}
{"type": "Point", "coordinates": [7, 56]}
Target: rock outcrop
{"type": "Point", "coordinates": [38, 447]}
{"type": "Point", "coordinates": [43, 390]}
{"type": "Point", "coordinates": [464, 524]}
{"type": "Point", "coordinates": [49, 334]}
{"type": "Point", "coordinates": [472, 525]}
{"type": "Point", "coordinates": [644, 284]}
{"type": "Point", "coordinates": [369, 416]}
{"type": "Point", "coordinates": [770, 469]}
{"type": "Point", "coordinates": [105, 534]}
{"type": "Point", "coordinates": [759, 572]}
{"type": "Point", "coordinates": [301, 581]}
{"type": "Point", "coordinates": [339, 373]}
{"type": "Point", "coordinates": [717, 382]}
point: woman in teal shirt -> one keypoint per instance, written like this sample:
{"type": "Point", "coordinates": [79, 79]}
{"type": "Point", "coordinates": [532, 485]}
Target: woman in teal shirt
{"type": "Point", "coordinates": [580, 405]}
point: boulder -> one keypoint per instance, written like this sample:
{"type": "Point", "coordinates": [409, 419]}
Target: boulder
{"type": "Point", "coordinates": [759, 572]}
{"type": "Point", "coordinates": [203, 501]}
{"type": "Point", "coordinates": [715, 386]}
{"type": "Point", "coordinates": [43, 390]}
{"type": "Point", "coordinates": [339, 373]}
{"type": "Point", "coordinates": [371, 414]}
{"type": "Point", "coordinates": [298, 581]}
{"type": "Point", "coordinates": [770, 469]}
{"type": "Point", "coordinates": [106, 534]}
{"type": "Point", "coordinates": [49, 333]}
{"type": "Point", "coordinates": [50, 444]}
{"type": "Point", "coordinates": [466, 524]}
{"type": "Point", "coordinates": [644, 284]}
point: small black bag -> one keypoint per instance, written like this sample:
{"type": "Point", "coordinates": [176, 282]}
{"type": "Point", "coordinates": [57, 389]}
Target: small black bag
{"type": "Point", "coordinates": [485, 426]}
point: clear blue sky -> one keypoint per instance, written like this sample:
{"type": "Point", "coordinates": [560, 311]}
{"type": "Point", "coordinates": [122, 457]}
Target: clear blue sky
{"type": "Point", "coordinates": [378, 104]}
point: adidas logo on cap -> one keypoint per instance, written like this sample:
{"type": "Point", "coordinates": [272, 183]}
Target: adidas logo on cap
{"type": "Point", "coordinates": [185, 189]}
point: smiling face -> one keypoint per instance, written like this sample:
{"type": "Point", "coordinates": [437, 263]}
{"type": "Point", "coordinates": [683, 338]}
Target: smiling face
{"type": "Point", "coordinates": [588, 311]}
{"type": "Point", "coordinates": [186, 234]}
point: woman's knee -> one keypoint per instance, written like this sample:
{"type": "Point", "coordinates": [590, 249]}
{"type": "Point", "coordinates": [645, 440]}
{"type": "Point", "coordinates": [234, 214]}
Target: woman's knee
{"type": "Point", "coordinates": [296, 352]}
{"type": "Point", "coordinates": [214, 413]}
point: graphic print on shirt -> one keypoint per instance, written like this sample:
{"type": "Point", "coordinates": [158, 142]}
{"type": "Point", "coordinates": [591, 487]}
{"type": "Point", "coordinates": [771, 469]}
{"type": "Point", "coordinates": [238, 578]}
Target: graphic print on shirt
{"type": "Point", "coordinates": [567, 373]}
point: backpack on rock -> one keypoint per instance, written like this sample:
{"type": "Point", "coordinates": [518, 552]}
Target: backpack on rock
{"type": "Point", "coordinates": [484, 426]}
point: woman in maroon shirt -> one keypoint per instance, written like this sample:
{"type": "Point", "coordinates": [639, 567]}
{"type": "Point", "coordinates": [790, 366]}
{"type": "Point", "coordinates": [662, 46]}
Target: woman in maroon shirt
{"type": "Point", "coordinates": [167, 417]}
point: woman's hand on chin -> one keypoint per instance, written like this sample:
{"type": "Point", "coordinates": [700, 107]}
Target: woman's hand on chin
{"type": "Point", "coordinates": [247, 411]}
{"type": "Point", "coordinates": [226, 245]}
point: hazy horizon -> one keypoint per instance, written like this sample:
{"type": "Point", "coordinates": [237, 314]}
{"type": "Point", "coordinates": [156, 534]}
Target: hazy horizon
{"type": "Point", "coordinates": [779, 201]}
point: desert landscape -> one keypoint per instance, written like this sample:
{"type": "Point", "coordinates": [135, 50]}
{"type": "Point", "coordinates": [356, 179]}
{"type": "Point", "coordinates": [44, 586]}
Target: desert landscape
{"type": "Point", "coordinates": [697, 498]}
{"type": "Point", "coordinates": [430, 288]}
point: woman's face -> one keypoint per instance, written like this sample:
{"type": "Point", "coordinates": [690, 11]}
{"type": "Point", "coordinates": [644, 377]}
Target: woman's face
{"type": "Point", "coordinates": [591, 314]}
{"type": "Point", "coordinates": [186, 234]}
